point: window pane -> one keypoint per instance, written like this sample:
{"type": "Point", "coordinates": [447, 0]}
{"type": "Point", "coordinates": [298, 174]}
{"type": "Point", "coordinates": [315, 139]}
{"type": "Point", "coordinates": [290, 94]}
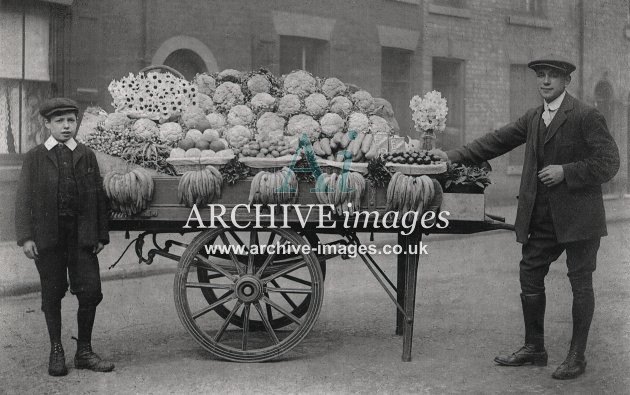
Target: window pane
{"type": "Point", "coordinates": [448, 78]}
{"type": "Point", "coordinates": [304, 53]}
{"type": "Point", "coordinates": [395, 82]}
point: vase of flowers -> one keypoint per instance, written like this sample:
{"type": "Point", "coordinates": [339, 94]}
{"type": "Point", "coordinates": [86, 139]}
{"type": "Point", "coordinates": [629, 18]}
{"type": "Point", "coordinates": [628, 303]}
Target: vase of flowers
{"type": "Point", "coordinates": [429, 117]}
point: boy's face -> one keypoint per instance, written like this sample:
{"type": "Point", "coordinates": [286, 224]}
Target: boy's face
{"type": "Point", "coordinates": [62, 127]}
{"type": "Point", "coordinates": [551, 82]}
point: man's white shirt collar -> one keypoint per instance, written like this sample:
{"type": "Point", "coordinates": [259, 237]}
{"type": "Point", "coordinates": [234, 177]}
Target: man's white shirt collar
{"type": "Point", "coordinates": [555, 104]}
{"type": "Point", "coordinates": [51, 143]}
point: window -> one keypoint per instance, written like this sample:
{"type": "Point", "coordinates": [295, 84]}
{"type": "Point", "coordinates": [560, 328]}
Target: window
{"type": "Point", "coordinates": [307, 54]}
{"type": "Point", "coordinates": [451, 3]}
{"type": "Point", "coordinates": [523, 96]}
{"type": "Point", "coordinates": [448, 78]}
{"type": "Point", "coordinates": [24, 73]}
{"type": "Point", "coordinates": [187, 62]}
{"type": "Point", "coordinates": [532, 7]}
{"type": "Point", "coordinates": [395, 84]}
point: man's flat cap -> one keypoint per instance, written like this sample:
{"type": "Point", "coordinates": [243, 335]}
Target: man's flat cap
{"type": "Point", "coordinates": [553, 62]}
{"type": "Point", "coordinates": [58, 105]}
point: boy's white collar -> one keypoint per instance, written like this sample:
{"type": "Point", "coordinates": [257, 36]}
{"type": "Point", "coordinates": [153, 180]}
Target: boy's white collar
{"type": "Point", "coordinates": [51, 143]}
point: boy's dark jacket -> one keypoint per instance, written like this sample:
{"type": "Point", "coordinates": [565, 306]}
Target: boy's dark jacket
{"type": "Point", "coordinates": [36, 202]}
{"type": "Point", "coordinates": [579, 140]}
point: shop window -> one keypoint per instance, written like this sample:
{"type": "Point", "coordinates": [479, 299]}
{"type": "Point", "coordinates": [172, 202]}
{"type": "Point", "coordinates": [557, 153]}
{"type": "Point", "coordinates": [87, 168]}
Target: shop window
{"type": "Point", "coordinates": [187, 62]}
{"type": "Point", "coordinates": [395, 84]}
{"type": "Point", "coordinates": [303, 53]}
{"type": "Point", "coordinates": [523, 96]}
{"type": "Point", "coordinates": [448, 78]}
{"type": "Point", "coordinates": [24, 73]}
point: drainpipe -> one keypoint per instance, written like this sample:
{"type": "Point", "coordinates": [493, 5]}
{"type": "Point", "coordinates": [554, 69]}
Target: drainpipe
{"type": "Point", "coordinates": [581, 48]}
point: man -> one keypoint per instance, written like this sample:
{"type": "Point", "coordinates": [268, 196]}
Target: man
{"type": "Point", "coordinates": [569, 153]}
{"type": "Point", "coordinates": [61, 223]}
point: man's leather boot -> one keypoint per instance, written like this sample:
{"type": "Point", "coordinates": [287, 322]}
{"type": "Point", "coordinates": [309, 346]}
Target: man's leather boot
{"type": "Point", "coordinates": [85, 358]}
{"type": "Point", "coordinates": [583, 307]}
{"type": "Point", "coordinates": [57, 361]}
{"type": "Point", "coordinates": [533, 352]}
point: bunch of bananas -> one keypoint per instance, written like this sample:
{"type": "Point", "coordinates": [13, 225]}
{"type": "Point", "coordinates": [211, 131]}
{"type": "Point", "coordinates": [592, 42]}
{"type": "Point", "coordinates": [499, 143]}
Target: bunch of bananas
{"type": "Point", "coordinates": [200, 187]}
{"type": "Point", "coordinates": [129, 192]}
{"type": "Point", "coordinates": [266, 187]}
{"type": "Point", "coordinates": [408, 193]}
{"type": "Point", "coordinates": [341, 189]}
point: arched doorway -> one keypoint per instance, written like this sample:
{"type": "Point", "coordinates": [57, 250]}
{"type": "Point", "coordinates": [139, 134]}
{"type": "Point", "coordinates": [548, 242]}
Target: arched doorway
{"type": "Point", "coordinates": [604, 103]}
{"type": "Point", "coordinates": [187, 62]}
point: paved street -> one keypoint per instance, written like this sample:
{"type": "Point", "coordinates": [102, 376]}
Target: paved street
{"type": "Point", "coordinates": [467, 310]}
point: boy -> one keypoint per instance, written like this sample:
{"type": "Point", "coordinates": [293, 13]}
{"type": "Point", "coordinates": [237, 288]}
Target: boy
{"type": "Point", "coordinates": [61, 223]}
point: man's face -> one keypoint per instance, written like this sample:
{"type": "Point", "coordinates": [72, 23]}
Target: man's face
{"type": "Point", "coordinates": [551, 82]}
{"type": "Point", "coordinates": [62, 127]}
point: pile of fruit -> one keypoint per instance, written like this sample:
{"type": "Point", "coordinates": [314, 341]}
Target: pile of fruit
{"type": "Point", "coordinates": [409, 193]}
{"type": "Point", "coordinates": [344, 191]}
{"type": "Point", "coordinates": [129, 192]}
{"type": "Point", "coordinates": [272, 147]}
{"type": "Point", "coordinates": [421, 157]}
{"type": "Point", "coordinates": [279, 187]}
{"type": "Point", "coordinates": [200, 187]}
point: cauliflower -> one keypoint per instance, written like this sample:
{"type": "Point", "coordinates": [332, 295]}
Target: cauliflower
{"type": "Point", "coordinates": [300, 83]}
{"type": "Point", "coordinates": [230, 75]}
{"type": "Point", "coordinates": [194, 134]}
{"type": "Point", "coordinates": [240, 115]}
{"type": "Point", "coordinates": [171, 132]}
{"type": "Point", "coordinates": [358, 122]}
{"type": "Point", "coordinates": [316, 104]}
{"type": "Point", "coordinates": [303, 124]}
{"type": "Point", "coordinates": [238, 136]}
{"type": "Point", "coordinates": [205, 84]}
{"type": "Point", "coordinates": [228, 94]}
{"type": "Point", "coordinates": [379, 125]}
{"type": "Point", "coordinates": [205, 103]}
{"type": "Point", "coordinates": [262, 102]}
{"type": "Point", "coordinates": [289, 105]}
{"type": "Point", "coordinates": [259, 83]}
{"type": "Point", "coordinates": [145, 129]}
{"type": "Point", "coordinates": [269, 122]}
{"type": "Point", "coordinates": [331, 123]}
{"type": "Point", "coordinates": [341, 105]}
{"type": "Point", "coordinates": [117, 122]}
{"type": "Point", "coordinates": [363, 101]}
{"type": "Point", "coordinates": [333, 87]}
{"type": "Point", "coordinates": [216, 120]}
{"type": "Point", "coordinates": [211, 135]}
{"type": "Point", "coordinates": [195, 118]}
{"type": "Point", "coordinates": [177, 153]}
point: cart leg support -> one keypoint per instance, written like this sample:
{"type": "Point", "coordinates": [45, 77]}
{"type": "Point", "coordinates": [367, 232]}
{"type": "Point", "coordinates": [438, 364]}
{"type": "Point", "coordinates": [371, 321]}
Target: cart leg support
{"type": "Point", "coordinates": [411, 274]}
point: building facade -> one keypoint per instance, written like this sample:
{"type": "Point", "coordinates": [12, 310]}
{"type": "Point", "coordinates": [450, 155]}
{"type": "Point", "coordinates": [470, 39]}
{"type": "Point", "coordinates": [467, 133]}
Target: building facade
{"type": "Point", "coordinates": [474, 51]}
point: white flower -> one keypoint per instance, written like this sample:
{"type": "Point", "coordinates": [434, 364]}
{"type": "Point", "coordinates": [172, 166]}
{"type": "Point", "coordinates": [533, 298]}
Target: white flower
{"type": "Point", "coordinates": [429, 113]}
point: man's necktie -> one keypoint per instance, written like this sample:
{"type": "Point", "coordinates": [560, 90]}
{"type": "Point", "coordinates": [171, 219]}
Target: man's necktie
{"type": "Point", "coordinates": [546, 116]}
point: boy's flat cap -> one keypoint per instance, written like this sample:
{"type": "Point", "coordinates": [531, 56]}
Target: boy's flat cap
{"type": "Point", "coordinates": [56, 105]}
{"type": "Point", "coordinates": [554, 62]}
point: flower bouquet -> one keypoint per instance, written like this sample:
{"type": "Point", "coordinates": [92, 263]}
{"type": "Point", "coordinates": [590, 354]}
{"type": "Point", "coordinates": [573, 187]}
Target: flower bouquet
{"type": "Point", "coordinates": [429, 116]}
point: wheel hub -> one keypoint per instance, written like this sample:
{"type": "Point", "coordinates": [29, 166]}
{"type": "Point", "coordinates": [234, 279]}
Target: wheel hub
{"type": "Point", "coordinates": [248, 289]}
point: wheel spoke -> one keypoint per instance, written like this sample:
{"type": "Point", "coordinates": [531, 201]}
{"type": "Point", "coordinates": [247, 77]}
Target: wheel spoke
{"type": "Point", "coordinates": [284, 295]}
{"type": "Point", "coordinates": [236, 262]}
{"type": "Point", "coordinates": [282, 310]}
{"type": "Point", "coordinates": [226, 298]}
{"type": "Point", "coordinates": [238, 239]}
{"type": "Point", "coordinates": [290, 291]}
{"type": "Point", "coordinates": [297, 280]}
{"type": "Point", "coordinates": [285, 271]}
{"type": "Point", "coordinates": [272, 237]}
{"type": "Point", "coordinates": [206, 263]}
{"type": "Point", "coordinates": [269, 259]}
{"type": "Point", "coordinates": [209, 285]}
{"type": "Point", "coordinates": [217, 337]}
{"type": "Point", "coordinates": [245, 326]}
{"type": "Point", "coordinates": [269, 311]}
{"type": "Point", "coordinates": [266, 322]}
{"type": "Point", "coordinates": [253, 239]}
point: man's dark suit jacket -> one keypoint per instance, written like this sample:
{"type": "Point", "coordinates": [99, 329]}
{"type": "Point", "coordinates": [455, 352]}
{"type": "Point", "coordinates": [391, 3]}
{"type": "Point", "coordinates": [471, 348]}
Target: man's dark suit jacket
{"type": "Point", "coordinates": [579, 140]}
{"type": "Point", "coordinates": [36, 216]}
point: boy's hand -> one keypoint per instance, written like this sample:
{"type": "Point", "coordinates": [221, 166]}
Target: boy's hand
{"type": "Point", "coordinates": [98, 248]}
{"type": "Point", "coordinates": [551, 175]}
{"type": "Point", "coordinates": [30, 249]}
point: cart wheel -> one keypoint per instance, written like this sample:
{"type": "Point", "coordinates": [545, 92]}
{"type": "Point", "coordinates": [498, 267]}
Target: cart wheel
{"type": "Point", "coordinates": [297, 304]}
{"type": "Point", "coordinates": [253, 290]}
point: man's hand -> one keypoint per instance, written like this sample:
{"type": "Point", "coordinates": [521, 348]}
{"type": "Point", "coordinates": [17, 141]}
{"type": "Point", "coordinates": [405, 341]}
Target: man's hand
{"type": "Point", "coordinates": [30, 249]}
{"type": "Point", "coordinates": [551, 175]}
{"type": "Point", "coordinates": [439, 153]}
{"type": "Point", "coordinates": [98, 248]}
